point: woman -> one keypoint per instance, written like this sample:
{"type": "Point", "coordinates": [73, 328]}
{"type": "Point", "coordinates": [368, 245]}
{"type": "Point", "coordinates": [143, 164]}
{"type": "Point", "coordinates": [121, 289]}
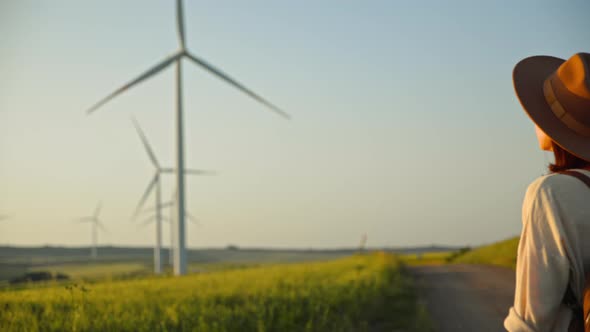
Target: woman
{"type": "Point", "coordinates": [554, 248]}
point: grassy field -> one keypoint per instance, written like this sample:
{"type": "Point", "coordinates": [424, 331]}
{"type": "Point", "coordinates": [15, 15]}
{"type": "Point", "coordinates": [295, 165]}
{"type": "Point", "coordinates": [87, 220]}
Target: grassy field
{"type": "Point", "coordinates": [128, 262]}
{"type": "Point", "coordinates": [502, 253]}
{"type": "Point", "coordinates": [358, 293]}
{"type": "Point", "coordinates": [97, 271]}
{"type": "Point", "coordinates": [431, 258]}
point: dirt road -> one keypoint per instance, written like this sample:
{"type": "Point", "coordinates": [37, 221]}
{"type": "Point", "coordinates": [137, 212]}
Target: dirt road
{"type": "Point", "coordinates": [466, 297]}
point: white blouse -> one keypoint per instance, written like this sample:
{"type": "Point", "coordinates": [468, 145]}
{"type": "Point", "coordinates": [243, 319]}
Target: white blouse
{"type": "Point", "coordinates": [554, 249]}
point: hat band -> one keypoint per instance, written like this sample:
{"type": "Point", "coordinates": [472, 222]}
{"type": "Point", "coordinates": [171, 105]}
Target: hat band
{"type": "Point", "coordinates": [560, 111]}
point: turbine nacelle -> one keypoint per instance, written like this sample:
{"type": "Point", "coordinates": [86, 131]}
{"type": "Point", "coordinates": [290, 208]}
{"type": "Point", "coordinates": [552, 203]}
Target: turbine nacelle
{"type": "Point", "coordinates": [94, 218]}
{"type": "Point", "coordinates": [155, 181]}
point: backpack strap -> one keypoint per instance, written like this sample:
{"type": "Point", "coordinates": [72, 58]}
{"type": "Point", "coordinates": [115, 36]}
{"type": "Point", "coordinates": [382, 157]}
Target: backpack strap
{"type": "Point", "coordinates": [581, 319]}
{"type": "Point", "coordinates": [577, 175]}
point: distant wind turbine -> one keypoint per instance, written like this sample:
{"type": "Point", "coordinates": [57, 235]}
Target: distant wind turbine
{"type": "Point", "coordinates": [363, 243]}
{"type": "Point", "coordinates": [189, 216]}
{"type": "Point", "coordinates": [169, 204]}
{"type": "Point", "coordinates": [156, 185]}
{"type": "Point", "coordinates": [175, 58]}
{"type": "Point", "coordinates": [96, 223]}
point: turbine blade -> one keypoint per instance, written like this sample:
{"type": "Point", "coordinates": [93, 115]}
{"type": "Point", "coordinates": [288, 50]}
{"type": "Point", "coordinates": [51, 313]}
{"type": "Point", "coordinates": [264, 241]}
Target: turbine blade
{"type": "Point", "coordinates": [192, 218]}
{"type": "Point", "coordinates": [147, 221]}
{"type": "Point", "coordinates": [190, 171]}
{"type": "Point", "coordinates": [180, 23]}
{"type": "Point", "coordinates": [235, 83]}
{"type": "Point", "coordinates": [152, 71]}
{"type": "Point", "coordinates": [101, 226]}
{"type": "Point", "coordinates": [199, 172]}
{"type": "Point", "coordinates": [166, 204]}
{"type": "Point", "coordinates": [145, 195]}
{"type": "Point", "coordinates": [146, 144]}
{"type": "Point", "coordinates": [150, 220]}
{"type": "Point", "coordinates": [162, 206]}
{"type": "Point", "coordinates": [97, 210]}
{"type": "Point", "coordinates": [84, 219]}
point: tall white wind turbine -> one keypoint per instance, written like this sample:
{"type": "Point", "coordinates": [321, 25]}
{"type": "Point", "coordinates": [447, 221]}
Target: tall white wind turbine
{"type": "Point", "coordinates": [176, 58]}
{"type": "Point", "coordinates": [96, 223]}
{"type": "Point", "coordinates": [155, 184]}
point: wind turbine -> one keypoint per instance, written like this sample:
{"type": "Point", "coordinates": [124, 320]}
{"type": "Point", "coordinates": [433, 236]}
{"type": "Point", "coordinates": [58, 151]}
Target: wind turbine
{"type": "Point", "coordinates": [169, 204]}
{"type": "Point", "coordinates": [156, 185]}
{"type": "Point", "coordinates": [176, 58]}
{"type": "Point", "coordinates": [363, 244]}
{"type": "Point", "coordinates": [96, 223]}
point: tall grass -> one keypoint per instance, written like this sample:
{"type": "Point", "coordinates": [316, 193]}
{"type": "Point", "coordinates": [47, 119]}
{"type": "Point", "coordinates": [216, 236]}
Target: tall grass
{"type": "Point", "coordinates": [360, 293]}
{"type": "Point", "coordinates": [430, 258]}
{"type": "Point", "coordinates": [502, 253]}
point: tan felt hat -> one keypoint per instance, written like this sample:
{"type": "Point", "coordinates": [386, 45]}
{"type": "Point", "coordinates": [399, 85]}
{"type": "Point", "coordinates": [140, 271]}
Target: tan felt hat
{"type": "Point", "coordinates": [555, 93]}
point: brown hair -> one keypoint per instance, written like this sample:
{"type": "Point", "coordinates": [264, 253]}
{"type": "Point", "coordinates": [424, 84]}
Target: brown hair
{"type": "Point", "coordinates": [565, 160]}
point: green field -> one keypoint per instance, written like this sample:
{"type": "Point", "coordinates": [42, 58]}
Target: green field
{"type": "Point", "coordinates": [97, 271]}
{"type": "Point", "coordinates": [119, 262]}
{"type": "Point", "coordinates": [358, 293]}
{"type": "Point", "coordinates": [502, 253]}
{"type": "Point", "coordinates": [431, 258]}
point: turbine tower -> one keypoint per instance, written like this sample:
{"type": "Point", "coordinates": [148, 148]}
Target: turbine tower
{"type": "Point", "coordinates": [176, 58]}
{"type": "Point", "coordinates": [156, 185]}
{"type": "Point", "coordinates": [96, 223]}
{"type": "Point", "coordinates": [363, 244]}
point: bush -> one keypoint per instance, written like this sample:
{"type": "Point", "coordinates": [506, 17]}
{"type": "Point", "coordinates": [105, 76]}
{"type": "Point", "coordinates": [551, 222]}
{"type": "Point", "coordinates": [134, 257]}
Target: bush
{"type": "Point", "coordinates": [38, 276]}
{"type": "Point", "coordinates": [462, 251]}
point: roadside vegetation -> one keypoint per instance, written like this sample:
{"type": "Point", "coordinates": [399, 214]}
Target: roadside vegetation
{"type": "Point", "coordinates": [360, 293]}
{"type": "Point", "coordinates": [501, 253]}
{"type": "Point", "coordinates": [431, 258]}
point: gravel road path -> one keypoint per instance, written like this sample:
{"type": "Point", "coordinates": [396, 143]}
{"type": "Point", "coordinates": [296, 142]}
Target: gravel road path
{"type": "Point", "coordinates": [465, 297]}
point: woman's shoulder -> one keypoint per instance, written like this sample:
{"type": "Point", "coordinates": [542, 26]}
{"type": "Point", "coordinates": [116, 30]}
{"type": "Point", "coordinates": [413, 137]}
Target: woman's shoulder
{"type": "Point", "coordinates": [551, 183]}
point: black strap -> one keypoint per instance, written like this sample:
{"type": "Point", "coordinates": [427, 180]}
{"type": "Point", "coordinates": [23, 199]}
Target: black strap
{"type": "Point", "coordinates": [569, 298]}
{"type": "Point", "coordinates": [578, 175]}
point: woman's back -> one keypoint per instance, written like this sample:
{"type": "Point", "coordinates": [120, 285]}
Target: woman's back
{"type": "Point", "coordinates": [552, 254]}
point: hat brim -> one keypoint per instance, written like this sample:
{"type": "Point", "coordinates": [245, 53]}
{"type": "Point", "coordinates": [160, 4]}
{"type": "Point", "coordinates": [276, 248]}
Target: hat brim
{"type": "Point", "coordinates": [528, 76]}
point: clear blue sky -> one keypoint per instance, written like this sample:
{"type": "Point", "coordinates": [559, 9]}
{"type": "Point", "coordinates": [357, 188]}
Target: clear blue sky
{"type": "Point", "coordinates": [405, 125]}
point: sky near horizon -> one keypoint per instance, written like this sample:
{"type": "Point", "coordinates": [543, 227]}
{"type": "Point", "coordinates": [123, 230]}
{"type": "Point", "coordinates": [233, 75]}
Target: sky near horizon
{"type": "Point", "coordinates": [405, 125]}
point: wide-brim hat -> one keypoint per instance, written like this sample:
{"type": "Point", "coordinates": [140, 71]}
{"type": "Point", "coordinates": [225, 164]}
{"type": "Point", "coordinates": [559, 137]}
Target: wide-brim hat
{"type": "Point", "coordinates": [555, 93]}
